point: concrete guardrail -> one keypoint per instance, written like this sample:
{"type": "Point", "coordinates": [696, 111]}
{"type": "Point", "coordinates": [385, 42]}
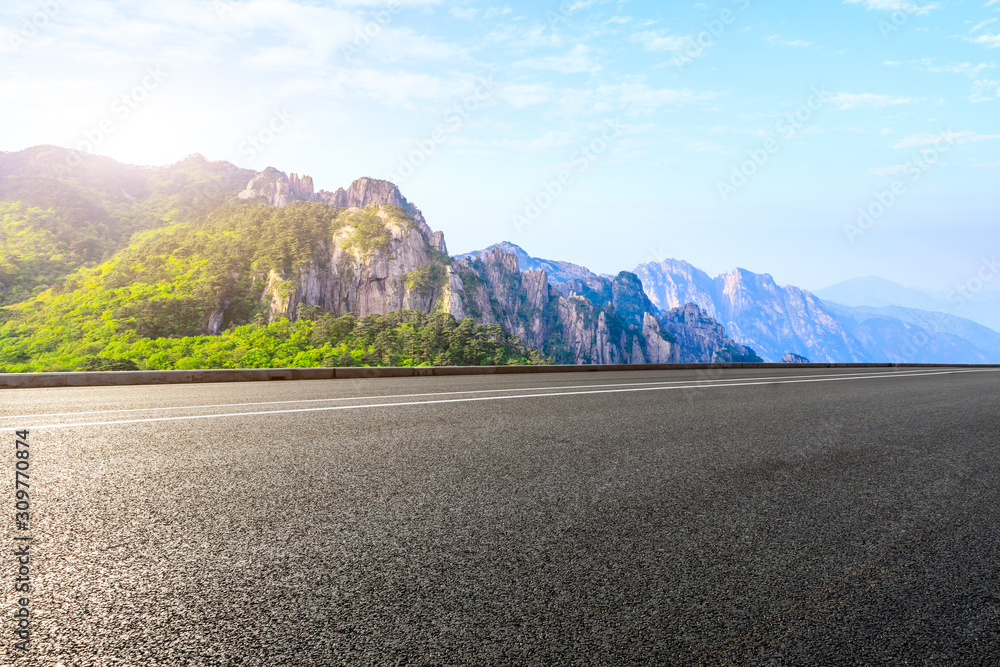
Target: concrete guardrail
{"type": "Point", "coordinates": [112, 378]}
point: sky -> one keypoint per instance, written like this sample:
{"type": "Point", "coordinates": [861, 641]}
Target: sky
{"type": "Point", "coordinates": [814, 141]}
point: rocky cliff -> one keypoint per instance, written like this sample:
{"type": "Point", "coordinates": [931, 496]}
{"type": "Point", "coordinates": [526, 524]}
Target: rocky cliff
{"type": "Point", "coordinates": [703, 339]}
{"type": "Point", "coordinates": [383, 257]}
{"type": "Point", "coordinates": [566, 325]}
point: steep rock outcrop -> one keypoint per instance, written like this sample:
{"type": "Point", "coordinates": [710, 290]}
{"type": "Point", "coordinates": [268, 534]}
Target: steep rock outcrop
{"type": "Point", "coordinates": [367, 191]}
{"type": "Point", "coordinates": [702, 338]}
{"type": "Point", "coordinates": [278, 188]}
{"type": "Point", "coordinates": [344, 277]}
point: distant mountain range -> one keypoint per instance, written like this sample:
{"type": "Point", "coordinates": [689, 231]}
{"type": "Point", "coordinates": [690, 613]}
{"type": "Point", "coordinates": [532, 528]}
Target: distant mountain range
{"type": "Point", "coordinates": [982, 307]}
{"type": "Point", "coordinates": [110, 265]}
{"type": "Point", "coordinates": [775, 321]}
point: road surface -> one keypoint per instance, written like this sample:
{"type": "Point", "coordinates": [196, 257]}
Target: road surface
{"type": "Point", "coordinates": [793, 516]}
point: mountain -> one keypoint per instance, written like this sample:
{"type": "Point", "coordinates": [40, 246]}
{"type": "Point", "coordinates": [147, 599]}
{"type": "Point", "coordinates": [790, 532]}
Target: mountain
{"type": "Point", "coordinates": [877, 292]}
{"type": "Point", "coordinates": [982, 307]}
{"type": "Point", "coordinates": [555, 271]}
{"type": "Point", "coordinates": [894, 334]}
{"type": "Point", "coordinates": [61, 210]}
{"type": "Point", "coordinates": [204, 263]}
{"type": "Point", "coordinates": [755, 311]}
{"type": "Point", "coordinates": [276, 272]}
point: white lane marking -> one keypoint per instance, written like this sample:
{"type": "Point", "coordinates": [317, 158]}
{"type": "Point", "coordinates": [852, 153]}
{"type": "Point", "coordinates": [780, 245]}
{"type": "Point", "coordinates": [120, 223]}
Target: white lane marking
{"type": "Point", "coordinates": [439, 393]}
{"type": "Point", "coordinates": [492, 398]}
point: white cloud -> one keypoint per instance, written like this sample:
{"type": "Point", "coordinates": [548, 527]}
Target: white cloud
{"type": "Point", "coordinates": [965, 69]}
{"type": "Point", "coordinates": [577, 59]}
{"type": "Point", "coordinates": [640, 97]}
{"type": "Point", "coordinates": [897, 6]}
{"type": "Point", "coordinates": [984, 90]}
{"type": "Point", "coordinates": [776, 40]}
{"type": "Point", "coordinates": [867, 100]}
{"type": "Point", "coordinates": [524, 95]}
{"type": "Point", "coordinates": [464, 13]}
{"type": "Point", "coordinates": [989, 41]}
{"type": "Point", "coordinates": [657, 40]}
{"type": "Point", "coordinates": [959, 138]}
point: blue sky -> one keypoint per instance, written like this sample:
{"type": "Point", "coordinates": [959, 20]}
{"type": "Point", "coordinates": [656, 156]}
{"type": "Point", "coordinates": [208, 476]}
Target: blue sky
{"type": "Point", "coordinates": [604, 132]}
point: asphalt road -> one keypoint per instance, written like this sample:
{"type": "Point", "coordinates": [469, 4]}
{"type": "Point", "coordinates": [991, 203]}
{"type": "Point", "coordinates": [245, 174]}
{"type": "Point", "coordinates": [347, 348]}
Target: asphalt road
{"type": "Point", "coordinates": [739, 517]}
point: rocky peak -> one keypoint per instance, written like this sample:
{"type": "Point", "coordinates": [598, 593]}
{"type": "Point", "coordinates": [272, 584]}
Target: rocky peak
{"type": "Point", "coordinates": [629, 299]}
{"type": "Point", "coordinates": [278, 188]}
{"type": "Point", "coordinates": [366, 191]}
{"type": "Point", "coordinates": [437, 242]}
{"type": "Point", "coordinates": [792, 358]}
{"type": "Point", "coordinates": [301, 187]}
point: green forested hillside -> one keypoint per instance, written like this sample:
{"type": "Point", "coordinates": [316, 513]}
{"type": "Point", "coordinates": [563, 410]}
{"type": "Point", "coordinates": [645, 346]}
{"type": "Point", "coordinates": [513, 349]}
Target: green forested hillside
{"type": "Point", "coordinates": [402, 338]}
{"type": "Point", "coordinates": [61, 210]}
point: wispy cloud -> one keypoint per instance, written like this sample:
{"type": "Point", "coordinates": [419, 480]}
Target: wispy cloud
{"type": "Point", "coordinates": [658, 40]}
{"type": "Point", "coordinates": [777, 40]}
{"type": "Point", "coordinates": [960, 138]}
{"type": "Point", "coordinates": [867, 100]}
{"type": "Point", "coordinates": [576, 60]}
{"type": "Point", "coordinates": [897, 6]}
{"type": "Point", "coordinates": [987, 40]}
{"type": "Point", "coordinates": [641, 97]}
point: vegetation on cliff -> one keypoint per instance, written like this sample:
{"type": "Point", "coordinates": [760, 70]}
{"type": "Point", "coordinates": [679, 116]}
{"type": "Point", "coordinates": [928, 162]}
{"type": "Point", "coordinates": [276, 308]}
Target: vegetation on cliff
{"type": "Point", "coordinates": [402, 338]}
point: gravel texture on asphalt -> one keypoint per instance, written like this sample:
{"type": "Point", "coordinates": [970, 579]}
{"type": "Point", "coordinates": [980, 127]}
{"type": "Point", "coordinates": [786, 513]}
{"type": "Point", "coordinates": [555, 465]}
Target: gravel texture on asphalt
{"type": "Point", "coordinates": [771, 522]}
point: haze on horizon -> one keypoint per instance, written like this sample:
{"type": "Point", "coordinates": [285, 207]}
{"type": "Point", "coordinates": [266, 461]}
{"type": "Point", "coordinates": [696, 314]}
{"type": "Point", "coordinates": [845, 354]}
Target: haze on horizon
{"type": "Point", "coordinates": [602, 132]}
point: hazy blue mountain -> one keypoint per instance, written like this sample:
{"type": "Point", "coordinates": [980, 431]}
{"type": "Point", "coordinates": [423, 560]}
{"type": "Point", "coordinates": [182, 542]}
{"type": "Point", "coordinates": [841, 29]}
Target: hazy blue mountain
{"type": "Point", "coordinates": [877, 292]}
{"type": "Point", "coordinates": [983, 307]}
{"type": "Point", "coordinates": [756, 312]}
{"type": "Point", "coordinates": [962, 339]}
{"type": "Point", "coordinates": [889, 339]}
